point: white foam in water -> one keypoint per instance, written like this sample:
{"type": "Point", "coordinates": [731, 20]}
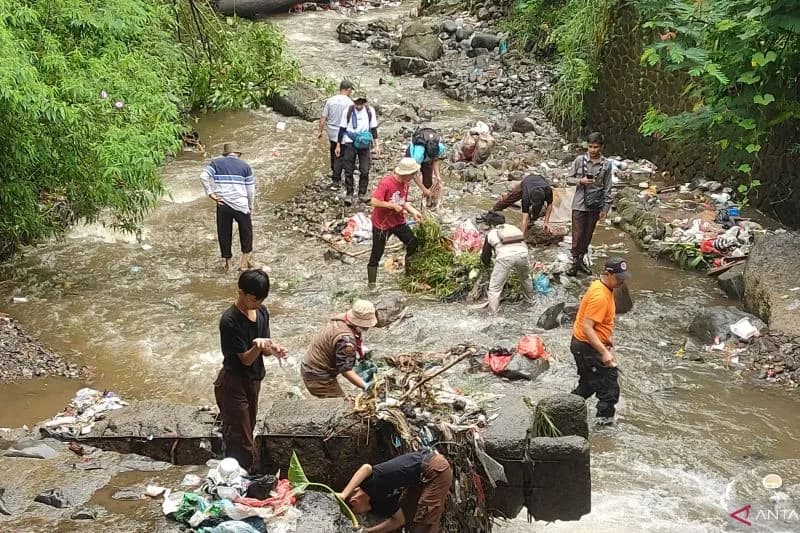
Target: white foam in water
{"type": "Point", "coordinates": [184, 193]}
{"type": "Point", "coordinates": [96, 231]}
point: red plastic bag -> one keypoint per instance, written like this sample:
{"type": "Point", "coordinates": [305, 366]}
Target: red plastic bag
{"type": "Point", "coordinates": [707, 247]}
{"type": "Point", "coordinates": [467, 238]}
{"type": "Point", "coordinates": [496, 362]}
{"type": "Point", "coordinates": [282, 498]}
{"type": "Point", "coordinates": [532, 347]}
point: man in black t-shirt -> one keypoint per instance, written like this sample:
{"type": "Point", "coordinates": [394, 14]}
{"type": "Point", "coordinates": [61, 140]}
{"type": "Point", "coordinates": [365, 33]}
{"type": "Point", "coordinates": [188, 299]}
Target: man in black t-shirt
{"type": "Point", "coordinates": [408, 490]}
{"type": "Point", "coordinates": [245, 340]}
{"type": "Point", "coordinates": [534, 191]}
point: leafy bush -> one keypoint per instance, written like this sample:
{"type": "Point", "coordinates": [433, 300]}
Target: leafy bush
{"type": "Point", "coordinates": [91, 96]}
{"type": "Point", "coordinates": [743, 73]}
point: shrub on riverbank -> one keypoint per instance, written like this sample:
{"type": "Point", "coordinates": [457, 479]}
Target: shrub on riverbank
{"type": "Point", "coordinates": [91, 99]}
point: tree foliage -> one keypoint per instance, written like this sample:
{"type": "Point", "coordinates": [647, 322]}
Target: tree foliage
{"type": "Point", "coordinates": [743, 72]}
{"type": "Point", "coordinates": [91, 97]}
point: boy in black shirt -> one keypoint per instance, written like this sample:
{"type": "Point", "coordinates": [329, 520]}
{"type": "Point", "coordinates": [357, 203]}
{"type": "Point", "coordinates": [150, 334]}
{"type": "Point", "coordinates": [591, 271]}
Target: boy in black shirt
{"type": "Point", "coordinates": [409, 490]}
{"type": "Point", "coordinates": [245, 339]}
{"type": "Point", "coordinates": [534, 191]}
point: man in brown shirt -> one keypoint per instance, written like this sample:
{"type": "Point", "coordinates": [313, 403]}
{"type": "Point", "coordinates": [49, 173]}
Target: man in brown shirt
{"type": "Point", "coordinates": [591, 175]}
{"type": "Point", "coordinates": [335, 349]}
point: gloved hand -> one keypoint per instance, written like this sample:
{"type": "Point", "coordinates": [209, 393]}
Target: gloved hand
{"type": "Point", "coordinates": [368, 386]}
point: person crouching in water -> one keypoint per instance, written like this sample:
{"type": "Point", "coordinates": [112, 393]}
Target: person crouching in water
{"type": "Point", "coordinates": [335, 349]}
{"type": "Point", "coordinates": [508, 243]}
{"type": "Point", "coordinates": [410, 490]}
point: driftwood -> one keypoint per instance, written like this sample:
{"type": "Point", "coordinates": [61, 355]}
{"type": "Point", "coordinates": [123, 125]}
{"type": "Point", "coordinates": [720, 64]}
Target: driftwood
{"type": "Point", "coordinates": [730, 263]}
{"type": "Point", "coordinates": [468, 353]}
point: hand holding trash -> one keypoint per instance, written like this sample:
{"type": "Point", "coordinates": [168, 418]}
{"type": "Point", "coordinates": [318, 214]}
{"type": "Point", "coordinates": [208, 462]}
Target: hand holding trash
{"type": "Point", "coordinates": [608, 359]}
{"type": "Point", "coordinates": [270, 348]}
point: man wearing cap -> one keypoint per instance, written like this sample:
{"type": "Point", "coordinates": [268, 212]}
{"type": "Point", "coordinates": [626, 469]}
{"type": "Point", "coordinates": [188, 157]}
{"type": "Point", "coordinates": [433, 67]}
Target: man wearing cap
{"type": "Point", "coordinates": [358, 133]}
{"type": "Point", "coordinates": [591, 341]}
{"type": "Point", "coordinates": [508, 242]}
{"type": "Point", "coordinates": [335, 107]}
{"type": "Point", "coordinates": [335, 349]}
{"type": "Point", "coordinates": [229, 182]}
{"type": "Point", "coordinates": [535, 192]}
{"type": "Point", "coordinates": [390, 204]}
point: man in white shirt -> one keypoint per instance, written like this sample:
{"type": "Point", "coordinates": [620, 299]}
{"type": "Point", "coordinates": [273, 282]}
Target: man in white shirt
{"type": "Point", "coordinates": [331, 117]}
{"type": "Point", "coordinates": [358, 133]}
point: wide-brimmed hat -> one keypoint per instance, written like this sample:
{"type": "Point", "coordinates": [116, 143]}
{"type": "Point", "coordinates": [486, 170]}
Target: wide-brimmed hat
{"type": "Point", "coordinates": [407, 167]}
{"type": "Point", "coordinates": [230, 148]}
{"type": "Point", "coordinates": [362, 314]}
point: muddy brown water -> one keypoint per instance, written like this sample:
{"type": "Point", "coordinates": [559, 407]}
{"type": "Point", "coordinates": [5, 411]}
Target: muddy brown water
{"type": "Point", "coordinates": [693, 441]}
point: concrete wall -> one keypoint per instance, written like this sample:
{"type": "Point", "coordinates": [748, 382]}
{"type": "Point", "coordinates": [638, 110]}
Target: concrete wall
{"type": "Point", "coordinates": [626, 90]}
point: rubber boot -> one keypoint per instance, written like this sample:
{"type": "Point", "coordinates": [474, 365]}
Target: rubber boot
{"type": "Point", "coordinates": [573, 270]}
{"type": "Point", "coordinates": [582, 266]}
{"type": "Point", "coordinates": [372, 276]}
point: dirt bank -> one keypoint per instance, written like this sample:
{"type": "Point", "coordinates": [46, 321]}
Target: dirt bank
{"type": "Point", "coordinates": [23, 357]}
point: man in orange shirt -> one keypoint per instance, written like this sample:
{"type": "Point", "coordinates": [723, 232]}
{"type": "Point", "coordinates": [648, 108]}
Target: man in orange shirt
{"type": "Point", "coordinates": [591, 341]}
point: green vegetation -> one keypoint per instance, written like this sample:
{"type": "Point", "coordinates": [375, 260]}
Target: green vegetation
{"type": "Point", "coordinates": [742, 65]}
{"type": "Point", "coordinates": [92, 95]}
{"type": "Point", "coordinates": [297, 477]}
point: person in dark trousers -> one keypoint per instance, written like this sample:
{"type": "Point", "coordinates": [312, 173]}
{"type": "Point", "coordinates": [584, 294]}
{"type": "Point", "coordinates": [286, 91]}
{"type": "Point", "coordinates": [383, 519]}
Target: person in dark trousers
{"type": "Point", "coordinates": [427, 149]}
{"type": "Point", "coordinates": [535, 192]}
{"type": "Point", "coordinates": [591, 175]}
{"type": "Point", "coordinates": [330, 118]}
{"type": "Point", "coordinates": [245, 340]}
{"type": "Point", "coordinates": [410, 490]}
{"type": "Point", "coordinates": [390, 203]}
{"type": "Point", "coordinates": [358, 134]}
{"type": "Point", "coordinates": [591, 341]}
{"type": "Point", "coordinates": [229, 182]}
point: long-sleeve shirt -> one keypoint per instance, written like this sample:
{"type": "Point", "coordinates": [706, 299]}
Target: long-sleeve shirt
{"type": "Point", "coordinates": [599, 171]}
{"type": "Point", "coordinates": [231, 179]}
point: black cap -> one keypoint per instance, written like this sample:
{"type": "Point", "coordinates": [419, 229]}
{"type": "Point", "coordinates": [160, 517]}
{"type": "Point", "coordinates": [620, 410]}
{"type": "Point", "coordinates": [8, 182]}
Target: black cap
{"type": "Point", "coordinates": [345, 85]}
{"type": "Point", "coordinates": [360, 100]}
{"type": "Point", "coordinates": [618, 267]}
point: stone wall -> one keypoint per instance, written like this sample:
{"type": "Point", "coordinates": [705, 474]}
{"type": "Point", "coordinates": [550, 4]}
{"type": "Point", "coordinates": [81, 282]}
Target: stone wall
{"type": "Point", "coordinates": [626, 90]}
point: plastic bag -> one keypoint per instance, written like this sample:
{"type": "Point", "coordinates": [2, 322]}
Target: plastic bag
{"type": "Point", "coordinates": [467, 237]}
{"type": "Point", "coordinates": [260, 487]}
{"type": "Point", "coordinates": [358, 228]}
{"type": "Point", "coordinates": [541, 283]}
{"type": "Point", "coordinates": [532, 347]}
{"type": "Point", "coordinates": [497, 360]}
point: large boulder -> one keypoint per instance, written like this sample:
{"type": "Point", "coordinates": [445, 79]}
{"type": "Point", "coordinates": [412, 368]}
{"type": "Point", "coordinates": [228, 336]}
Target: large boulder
{"type": "Point", "coordinates": [409, 65]}
{"type": "Point", "coordinates": [302, 100]}
{"type": "Point", "coordinates": [714, 323]}
{"type": "Point", "coordinates": [522, 124]}
{"type": "Point", "coordinates": [557, 315]}
{"type": "Point", "coordinates": [350, 30]}
{"type": "Point", "coordinates": [732, 282]}
{"type": "Point", "coordinates": [464, 32]}
{"type": "Point", "coordinates": [389, 308]}
{"type": "Point", "coordinates": [567, 412]}
{"type": "Point", "coordinates": [253, 8]}
{"type": "Point", "coordinates": [420, 40]}
{"type": "Point", "coordinates": [485, 40]}
{"type": "Point", "coordinates": [771, 277]}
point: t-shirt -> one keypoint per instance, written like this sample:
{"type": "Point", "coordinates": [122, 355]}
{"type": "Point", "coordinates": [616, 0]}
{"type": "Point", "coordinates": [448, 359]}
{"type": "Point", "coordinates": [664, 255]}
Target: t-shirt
{"type": "Point", "coordinates": [535, 192]}
{"type": "Point", "coordinates": [363, 122]}
{"type": "Point", "coordinates": [389, 189]}
{"type": "Point", "coordinates": [598, 305]}
{"type": "Point", "coordinates": [335, 108]}
{"type": "Point", "coordinates": [236, 334]}
{"type": "Point", "coordinates": [417, 151]}
{"type": "Point", "coordinates": [388, 480]}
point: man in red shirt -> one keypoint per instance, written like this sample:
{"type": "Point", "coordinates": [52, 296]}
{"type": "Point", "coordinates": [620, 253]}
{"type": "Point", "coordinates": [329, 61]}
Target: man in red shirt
{"type": "Point", "coordinates": [389, 205]}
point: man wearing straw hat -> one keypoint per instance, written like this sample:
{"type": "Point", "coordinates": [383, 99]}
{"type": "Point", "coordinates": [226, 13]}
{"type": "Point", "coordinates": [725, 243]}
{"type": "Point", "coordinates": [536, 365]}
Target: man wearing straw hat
{"type": "Point", "coordinates": [390, 203]}
{"type": "Point", "coordinates": [229, 182]}
{"type": "Point", "coordinates": [335, 349]}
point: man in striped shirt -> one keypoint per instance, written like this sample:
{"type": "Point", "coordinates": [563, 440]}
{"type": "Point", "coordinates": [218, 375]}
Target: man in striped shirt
{"type": "Point", "coordinates": [229, 182]}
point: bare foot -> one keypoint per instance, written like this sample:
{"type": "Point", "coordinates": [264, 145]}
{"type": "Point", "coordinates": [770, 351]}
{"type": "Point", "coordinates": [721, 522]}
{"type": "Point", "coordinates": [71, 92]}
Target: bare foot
{"type": "Point", "coordinates": [227, 266]}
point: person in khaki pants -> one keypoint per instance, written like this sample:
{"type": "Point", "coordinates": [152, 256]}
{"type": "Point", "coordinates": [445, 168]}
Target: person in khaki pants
{"type": "Point", "coordinates": [508, 243]}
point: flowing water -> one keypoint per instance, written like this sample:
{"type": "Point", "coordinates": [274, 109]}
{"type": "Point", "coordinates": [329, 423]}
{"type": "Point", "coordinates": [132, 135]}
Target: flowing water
{"type": "Point", "coordinates": [693, 441]}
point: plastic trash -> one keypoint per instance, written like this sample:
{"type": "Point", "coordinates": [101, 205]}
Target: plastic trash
{"type": "Point", "coordinates": [191, 480]}
{"type": "Point", "coordinates": [230, 526]}
{"type": "Point", "coordinates": [154, 491]}
{"type": "Point", "coordinates": [366, 369]}
{"type": "Point", "coordinates": [280, 126]}
{"type": "Point", "coordinates": [52, 497]}
{"type": "Point", "coordinates": [531, 346]}
{"type": "Point", "coordinates": [467, 238]}
{"type": "Point", "coordinates": [260, 487]}
{"type": "Point", "coordinates": [541, 283]}
{"type": "Point", "coordinates": [744, 329]}
{"type": "Point", "coordinates": [358, 228]}
{"type": "Point", "coordinates": [31, 450]}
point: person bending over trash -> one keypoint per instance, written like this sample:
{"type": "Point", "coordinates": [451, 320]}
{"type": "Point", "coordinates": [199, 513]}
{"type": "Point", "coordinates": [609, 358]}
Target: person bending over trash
{"type": "Point", "coordinates": [389, 203]}
{"type": "Point", "coordinates": [409, 490]}
{"type": "Point", "coordinates": [335, 349]}
{"type": "Point", "coordinates": [427, 149]}
{"type": "Point", "coordinates": [508, 242]}
{"type": "Point", "coordinates": [591, 341]}
{"type": "Point", "coordinates": [245, 339]}
{"type": "Point", "coordinates": [534, 191]}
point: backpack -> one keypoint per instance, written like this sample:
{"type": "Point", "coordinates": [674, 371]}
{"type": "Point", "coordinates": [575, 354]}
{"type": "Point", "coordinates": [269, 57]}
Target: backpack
{"type": "Point", "coordinates": [361, 139]}
{"type": "Point", "coordinates": [430, 139]}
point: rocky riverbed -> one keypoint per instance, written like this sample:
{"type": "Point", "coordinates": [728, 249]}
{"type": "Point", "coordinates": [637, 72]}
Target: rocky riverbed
{"type": "Point", "coordinates": [23, 357]}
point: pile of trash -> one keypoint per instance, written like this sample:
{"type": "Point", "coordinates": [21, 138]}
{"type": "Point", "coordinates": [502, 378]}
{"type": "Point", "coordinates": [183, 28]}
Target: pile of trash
{"type": "Point", "coordinates": [79, 417]}
{"type": "Point", "coordinates": [411, 411]}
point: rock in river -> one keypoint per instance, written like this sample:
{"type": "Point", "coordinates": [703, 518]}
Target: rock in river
{"type": "Point", "coordinates": [301, 100]}
{"type": "Point", "coordinates": [420, 40]}
{"type": "Point", "coordinates": [771, 281]}
{"type": "Point", "coordinates": [715, 323]}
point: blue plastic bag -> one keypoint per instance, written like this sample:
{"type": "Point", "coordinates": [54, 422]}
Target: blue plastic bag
{"type": "Point", "coordinates": [541, 283]}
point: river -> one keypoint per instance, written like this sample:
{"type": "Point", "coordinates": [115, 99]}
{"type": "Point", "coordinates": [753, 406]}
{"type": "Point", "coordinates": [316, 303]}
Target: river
{"type": "Point", "coordinates": [693, 441]}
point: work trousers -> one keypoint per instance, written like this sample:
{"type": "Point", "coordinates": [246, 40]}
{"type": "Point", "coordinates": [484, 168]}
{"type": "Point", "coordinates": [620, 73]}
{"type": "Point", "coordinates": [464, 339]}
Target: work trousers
{"type": "Point", "coordinates": [225, 217]}
{"type": "Point", "coordinates": [583, 225]}
{"type": "Point", "coordinates": [502, 268]}
{"type": "Point", "coordinates": [595, 378]}
{"type": "Point", "coordinates": [237, 399]}
{"type": "Point", "coordinates": [349, 156]}
{"type": "Point", "coordinates": [379, 237]}
{"type": "Point", "coordinates": [337, 165]}
{"type": "Point", "coordinates": [512, 197]}
{"type": "Point", "coordinates": [423, 505]}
